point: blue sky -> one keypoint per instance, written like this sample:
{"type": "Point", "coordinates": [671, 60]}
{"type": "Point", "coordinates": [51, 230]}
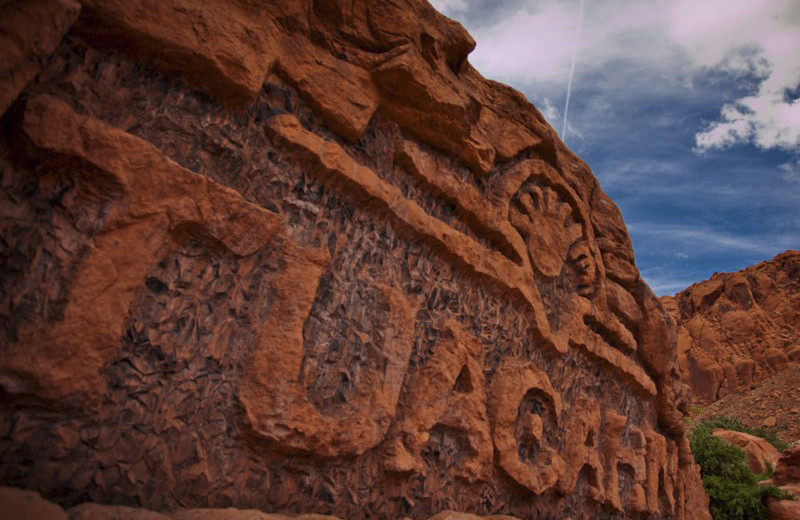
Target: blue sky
{"type": "Point", "coordinates": [687, 111]}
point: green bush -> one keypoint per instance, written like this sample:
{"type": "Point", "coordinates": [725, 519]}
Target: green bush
{"type": "Point", "coordinates": [732, 488]}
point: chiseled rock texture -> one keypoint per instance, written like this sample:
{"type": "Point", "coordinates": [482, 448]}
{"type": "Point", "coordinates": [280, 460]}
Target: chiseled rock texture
{"type": "Point", "coordinates": [300, 257]}
{"type": "Point", "coordinates": [21, 504]}
{"type": "Point", "coordinates": [737, 329]}
{"type": "Point", "coordinates": [30, 31]}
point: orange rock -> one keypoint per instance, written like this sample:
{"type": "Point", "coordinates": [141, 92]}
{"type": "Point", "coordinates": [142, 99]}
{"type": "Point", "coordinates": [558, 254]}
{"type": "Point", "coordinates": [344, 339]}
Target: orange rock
{"type": "Point", "coordinates": [239, 514]}
{"type": "Point", "coordinates": [28, 505]}
{"type": "Point", "coordinates": [775, 358]}
{"type": "Point", "coordinates": [739, 328]}
{"type": "Point", "coordinates": [20, 503]}
{"type": "Point", "coordinates": [513, 382]}
{"type": "Point", "coordinates": [89, 511]}
{"type": "Point", "coordinates": [227, 48]}
{"type": "Point", "coordinates": [783, 509]}
{"type": "Point", "coordinates": [455, 515]}
{"type": "Point", "coordinates": [157, 200]}
{"type": "Point", "coordinates": [452, 388]}
{"type": "Point", "coordinates": [278, 407]}
{"type": "Point", "coordinates": [360, 314]}
{"type": "Point", "coordinates": [29, 33]}
{"type": "Point", "coordinates": [342, 93]}
{"type": "Point", "coordinates": [787, 469]}
{"type": "Point", "coordinates": [759, 452]}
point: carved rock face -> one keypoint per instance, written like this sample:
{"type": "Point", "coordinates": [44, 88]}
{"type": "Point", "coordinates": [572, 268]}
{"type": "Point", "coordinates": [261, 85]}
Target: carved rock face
{"type": "Point", "coordinates": [583, 269]}
{"type": "Point", "coordinates": [307, 287]}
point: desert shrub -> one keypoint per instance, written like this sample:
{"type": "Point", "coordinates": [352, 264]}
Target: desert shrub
{"type": "Point", "coordinates": [735, 500]}
{"type": "Point", "coordinates": [733, 489]}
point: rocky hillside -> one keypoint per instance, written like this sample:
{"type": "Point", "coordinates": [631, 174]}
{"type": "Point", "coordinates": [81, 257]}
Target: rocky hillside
{"type": "Point", "coordinates": [738, 329]}
{"type": "Point", "coordinates": [302, 257]}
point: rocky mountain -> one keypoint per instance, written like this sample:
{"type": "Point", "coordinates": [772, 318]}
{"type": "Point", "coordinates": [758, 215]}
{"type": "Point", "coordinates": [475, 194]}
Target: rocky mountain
{"type": "Point", "coordinates": [737, 329]}
{"type": "Point", "coordinates": [302, 257]}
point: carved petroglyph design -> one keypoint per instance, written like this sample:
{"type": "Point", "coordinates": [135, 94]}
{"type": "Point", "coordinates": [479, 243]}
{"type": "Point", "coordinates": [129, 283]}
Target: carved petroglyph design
{"type": "Point", "coordinates": [525, 411]}
{"type": "Point", "coordinates": [452, 387]}
{"type": "Point", "coordinates": [336, 168]}
{"type": "Point", "coordinates": [582, 268]}
{"type": "Point", "coordinates": [662, 465]}
{"type": "Point", "coordinates": [483, 216]}
{"type": "Point", "coordinates": [401, 293]}
{"type": "Point", "coordinates": [57, 359]}
{"type": "Point", "coordinates": [515, 428]}
{"type": "Point", "coordinates": [581, 449]}
{"type": "Point", "coordinates": [547, 225]}
{"type": "Point", "coordinates": [276, 403]}
{"type": "Point", "coordinates": [550, 217]}
{"type": "Point", "coordinates": [624, 462]}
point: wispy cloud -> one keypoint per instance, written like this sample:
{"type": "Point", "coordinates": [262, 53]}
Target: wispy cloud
{"type": "Point", "coordinates": [450, 7]}
{"type": "Point", "coordinates": [667, 285]}
{"type": "Point", "coordinates": [549, 110]}
{"type": "Point", "coordinates": [791, 171]}
{"type": "Point", "coordinates": [705, 239]}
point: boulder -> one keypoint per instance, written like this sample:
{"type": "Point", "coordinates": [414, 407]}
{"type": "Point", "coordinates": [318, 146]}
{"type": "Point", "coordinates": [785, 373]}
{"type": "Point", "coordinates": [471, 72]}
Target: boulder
{"type": "Point", "coordinates": [783, 509]}
{"type": "Point", "coordinates": [28, 505]}
{"type": "Point", "coordinates": [90, 511]}
{"type": "Point", "coordinates": [759, 452]}
{"type": "Point", "coordinates": [29, 33]}
{"type": "Point", "coordinates": [787, 470]}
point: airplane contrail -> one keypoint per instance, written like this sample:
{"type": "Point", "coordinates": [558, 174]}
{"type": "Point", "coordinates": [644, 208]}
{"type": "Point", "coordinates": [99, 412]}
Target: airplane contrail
{"type": "Point", "coordinates": [572, 70]}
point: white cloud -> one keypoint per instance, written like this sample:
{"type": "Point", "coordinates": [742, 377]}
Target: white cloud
{"type": "Point", "coordinates": [765, 119]}
{"type": "Point", "coordinates": [450, 7]}
{"type": "Point", "coordinates": [761, 39]}
{"type": "Point", "coordinates": [529, 45]}
{"type": "Point", "coordinates": [680, 38]}
{"type": "Point", "coordinates": [535, 43]}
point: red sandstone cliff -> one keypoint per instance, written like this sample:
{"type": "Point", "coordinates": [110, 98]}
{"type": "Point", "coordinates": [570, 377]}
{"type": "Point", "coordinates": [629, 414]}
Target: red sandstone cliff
{"type": "Point", "coordinates": [737, 329]}
{"type": "Point", "coordinates": [302, 257]}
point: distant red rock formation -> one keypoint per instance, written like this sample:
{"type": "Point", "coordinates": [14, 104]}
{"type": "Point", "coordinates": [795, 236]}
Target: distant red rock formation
{"type": "Point", "coordinates": [736, 329]}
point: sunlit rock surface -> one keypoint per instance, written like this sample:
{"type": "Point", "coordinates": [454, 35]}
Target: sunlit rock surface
{"type": "Point", "coordinates": [737, 329]}
{"type": "Point", "coordinates": [302, 258]}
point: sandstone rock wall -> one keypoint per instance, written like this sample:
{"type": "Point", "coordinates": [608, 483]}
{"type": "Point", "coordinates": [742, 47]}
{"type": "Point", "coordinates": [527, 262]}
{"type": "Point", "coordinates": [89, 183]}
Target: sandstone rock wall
{"type": "Point", "coordinates": [737, 329]}
{"type": "Point", "coordinates": [302, 257]}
